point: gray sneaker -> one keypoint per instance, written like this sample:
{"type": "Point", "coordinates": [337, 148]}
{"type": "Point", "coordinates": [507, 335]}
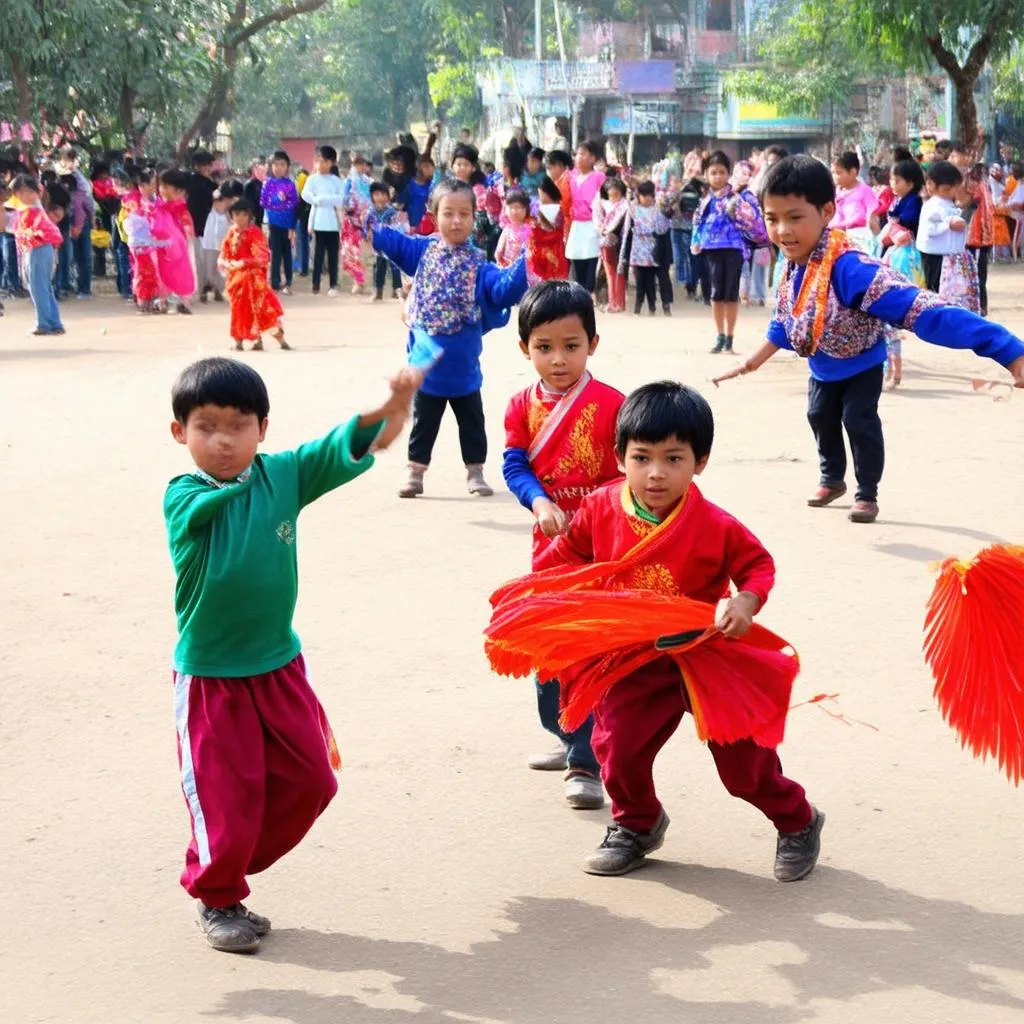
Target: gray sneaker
{"type": "Point", "coordinates": [583, 791]}
{"type": "Point", "coordinates": [797, 852]}
{"type": "Point", "coordinates": [624, 850]}
{"type": "Point", "coordinates": [228, 929]}
{"type": "Point", "coordinates": [551, 762]}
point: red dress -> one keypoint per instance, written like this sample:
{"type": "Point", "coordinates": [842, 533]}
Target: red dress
{"type": "Point", "coordinates": [545, 254]}
{"type": "Point", "coordinates": [569, 439]}
{"type": "Point", "coordinates": [254, 306]}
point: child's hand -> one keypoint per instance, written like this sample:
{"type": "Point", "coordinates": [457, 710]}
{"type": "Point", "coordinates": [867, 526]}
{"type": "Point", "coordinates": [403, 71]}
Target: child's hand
{"type": "Point", "coordinates": [404, 385]}
{"type": "Point", "coordinates": [738, 616]}
{"type": "Point", "coordinates": [550, 518]}
{"type": "Point", "coordinates": [957, 224]}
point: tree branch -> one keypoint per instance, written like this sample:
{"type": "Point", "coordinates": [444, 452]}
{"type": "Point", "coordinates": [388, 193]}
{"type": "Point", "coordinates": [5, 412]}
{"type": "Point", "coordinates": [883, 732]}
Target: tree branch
{"type": "Point", "coordinates": [945, 58]}
{"type": "Point", "coordinates": [979, 53]}
{"type": "Point", "coordinates": [276, 16]}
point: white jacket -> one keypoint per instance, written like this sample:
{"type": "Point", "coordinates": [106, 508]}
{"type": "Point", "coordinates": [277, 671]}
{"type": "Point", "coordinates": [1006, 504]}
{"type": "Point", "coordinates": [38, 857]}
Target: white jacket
{"type": "Point", "coordinates": [324, 193]}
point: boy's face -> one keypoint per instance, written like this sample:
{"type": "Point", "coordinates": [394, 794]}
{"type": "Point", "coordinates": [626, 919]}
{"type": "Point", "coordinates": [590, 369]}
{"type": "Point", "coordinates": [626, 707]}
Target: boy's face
{"type": "Point", "coordinates": [659, 473]}
{"type": "Point", "coordinates": [279, 168]}
{"type": "Point", "coordinates": [645, 200]}
{"type": "Point", "coordinates": [584, 160]}
{"type": "Point", "coordinates": [395, 166]}
{"type": "Point", "coordinates": [455, 218]}
{"type": "Point", "coordinates": [795, 225]}
{"type": "Point", "coordinates": [962, 161]}
{"type": "Point", "coordinates": [425, 170]}
{"type": "Point", "coordinates": [221, 439]}
{"type": "Point", "coordinates": [380, 200]}
{"type": "Point", "coordinates": [462, 168]}
{"type": "Point", "coordinates": [206, 170]}
{"type": "Point", "coordinates": [559, 351]}
{"type": "Point", "coordinates": [147, 188]}
{"type": "Point", "coordinates": [533, 165]}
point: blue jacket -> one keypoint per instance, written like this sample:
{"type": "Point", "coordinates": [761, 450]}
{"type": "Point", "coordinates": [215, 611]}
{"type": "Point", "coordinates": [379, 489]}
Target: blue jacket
{"type": "Point", "coordinates": [457, 372]}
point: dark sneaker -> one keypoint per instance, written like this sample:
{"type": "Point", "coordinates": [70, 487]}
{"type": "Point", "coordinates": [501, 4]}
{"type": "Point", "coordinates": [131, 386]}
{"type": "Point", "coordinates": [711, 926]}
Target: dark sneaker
{"type": "Point", "coordinates": [728, 344]}
{"type": "Point", "coordinates": [623, 850]}
{"type": "Point", "coordinates": [864, 512]}
{"type": "Point", "coordinates": [719, 345]}
{"type": "Point", "coordinates": [825, 495]}
{"type": "Point", "coordinates": [260, 924]}
{"type": "Point", "coordinates": [797, 852]}
{"type": "Point", "coordinates": [228, 929]}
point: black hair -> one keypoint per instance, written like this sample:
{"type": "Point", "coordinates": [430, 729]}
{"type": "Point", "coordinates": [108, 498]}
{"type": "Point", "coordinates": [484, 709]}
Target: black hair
{"type": "Point", "coordinates": [878, 175]}
{"type": "Point", "coordinates": [328, 153]}
{"type": "Point", "coordinates": [780, 152]}
{"type": "Point", "coordinates": [69, 182]}
{"type": "Point", "coordinates": [656, 412]}
{"type": "Point", "coordinates": [98, 169]}
{"type": "Point", "coordinates": [909, 170]}
{"type": "Point", "coordinates": [537, 153]}
{"type": "Point", "coordinates": [646, 188]}
{"type": "Point", "coordinates": [900, 153]}
{"type": "Point", "coordinates": [1017, 167]}
{"type": "Point", "coordinates": [943, 148]}
{"type": "Point", "coordinates": [280, 154]}
{"type": "Point", "coordinates": [558, 156]}
{"type": "Point", "coordinates": [942, 172]}
{"type": "Point", "coordinates": [550, 189]}
{"type": "Point", "coordinates": [121, 176]}
{"type": "Point", "coordinates": [451, 187]}
{"type": "Point", "coordinates": [232, 189]}
{"type": "Point", "coordinates": [219, 381]}
{"type": "Point", "coordinates": [240, 206]}
{"type": "Point", "coordinates": [425, 158]}
{"type": "Point", "coordinates": [548, 301]}
{"type": "Point", "coordinates": [962, 148]}
{"type": "Point", "coordinates": [379, 188]}
{"type": "Point", "coordinates": [849, 161]}
{"type": "Point", "coordinates": [800, 175]}
{"type": "Point", "coordinates": [174, 178]}
{"type": "Point", "coordinates": [202, 158]}
{"type": "Point", "coordinates": [464, 151]}
{"type": "Point", "coordinates": [717, 159]}
{"type": "Point", "coordinates": [595, 149]}
{"type": "Point", "coordinates": [25, 181]}
{"type": "Point", "coordinates": [517, 197]}
{"type": "Point", "coordinates": [611, 183]}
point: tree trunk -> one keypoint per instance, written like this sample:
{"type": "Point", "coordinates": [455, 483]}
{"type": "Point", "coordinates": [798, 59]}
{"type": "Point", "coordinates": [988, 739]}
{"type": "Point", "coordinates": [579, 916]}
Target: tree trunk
{"type": "Point", "coordinates": [966, 110]}
{"type": "Point", "coordinates": [964, 77]}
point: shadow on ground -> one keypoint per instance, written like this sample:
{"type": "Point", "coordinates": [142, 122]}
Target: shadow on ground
{"type": "Point", "coordinates": [769, 955]}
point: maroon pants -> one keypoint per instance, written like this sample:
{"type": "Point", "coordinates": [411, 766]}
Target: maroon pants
{"type": "Point", "coordinates": [255, 771]}
{"type": "Point", "coordinates": [635, 720]}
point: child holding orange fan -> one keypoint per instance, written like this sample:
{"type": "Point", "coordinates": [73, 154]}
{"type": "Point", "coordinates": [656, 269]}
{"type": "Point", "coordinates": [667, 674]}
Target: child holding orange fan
{"type": "Point", "coordinates": [654, 550]}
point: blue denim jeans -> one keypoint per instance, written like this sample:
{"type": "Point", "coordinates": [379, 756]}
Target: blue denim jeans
{"type": "Point", "coordinates": [39, 271]}
{"type": "Point", "coordinates": [82, 248]}
{"type": "Point", "coordinates": [579, 753]}
{"type": "Point", "coordinates": [302, 247]}
{"type": "Point", "coordinates": [123, 264]}
{"type": "Point", "coordinates": [754, 281]}
{"type": "Point", "coordinates": [681, 240]}
{"type": "Point", "coordinates": [11, 281]}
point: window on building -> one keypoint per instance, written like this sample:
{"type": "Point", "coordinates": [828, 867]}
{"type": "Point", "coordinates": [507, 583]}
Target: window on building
{"type": "Point", "coordinates": [719, 16]}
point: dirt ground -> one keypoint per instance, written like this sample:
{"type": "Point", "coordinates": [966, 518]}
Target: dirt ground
{"type": "Point", "coordinates": [444, 884]}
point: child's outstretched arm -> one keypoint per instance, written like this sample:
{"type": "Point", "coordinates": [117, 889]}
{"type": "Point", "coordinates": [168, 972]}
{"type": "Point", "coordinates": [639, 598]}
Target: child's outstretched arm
{"type": "Point", "coordinates": [505, 288]}
{"type": "Point", "coordinates": [755, 362]}
{"type": "Point", "coordinates": [929, 317]}
{"type": "Point", "coordinates": [403, 250]}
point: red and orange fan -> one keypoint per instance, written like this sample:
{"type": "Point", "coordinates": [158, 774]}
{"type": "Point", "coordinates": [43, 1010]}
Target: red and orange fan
{"type": "Point", "coordinates": [974, 645]}
{"type": "Point", "coordinates": [573, 625]}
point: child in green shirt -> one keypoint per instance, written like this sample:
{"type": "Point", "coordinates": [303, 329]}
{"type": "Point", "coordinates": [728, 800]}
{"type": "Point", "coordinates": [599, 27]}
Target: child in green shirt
{"type": "Point", "coordinates": [255, 748]}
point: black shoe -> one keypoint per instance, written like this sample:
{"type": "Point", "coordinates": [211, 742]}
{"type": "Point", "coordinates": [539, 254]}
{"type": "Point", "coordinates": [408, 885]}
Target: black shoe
{"type": "Point", "coordinates": [228, 929]}
{"type": "Point", "coordinates": [260, 924]}
{"type": "Point", "coordinates": [728, 344]}
{"type": "Point", "coordinates": [183, 309]}
{"type": "Point", "coordinates": [316, 291]}
{"type": "Point", "coordinates": [719, 345]}
{"type": "Point", "coordinates": [797, 852]}
{"type": "Point", "coordinates": [666, 309]}
{"type": "Point", "coordinates": [204, 298]}
{"type": "Point", "coordinates": [623, 850]}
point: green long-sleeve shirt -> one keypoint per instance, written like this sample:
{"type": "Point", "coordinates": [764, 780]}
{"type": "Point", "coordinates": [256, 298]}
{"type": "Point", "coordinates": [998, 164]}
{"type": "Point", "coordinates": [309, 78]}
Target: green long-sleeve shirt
{"type": "Point", "coordinates": [233, 549]}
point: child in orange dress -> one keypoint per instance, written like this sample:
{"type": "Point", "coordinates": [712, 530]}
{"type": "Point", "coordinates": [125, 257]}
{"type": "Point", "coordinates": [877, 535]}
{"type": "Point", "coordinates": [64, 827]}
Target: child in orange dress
{"type": "Point", "coordinates": [244, 258]}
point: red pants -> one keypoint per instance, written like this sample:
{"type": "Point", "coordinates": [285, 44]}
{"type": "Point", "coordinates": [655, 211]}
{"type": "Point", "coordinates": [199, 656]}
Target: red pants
{"type": "Point", "coordinates": [635, 720]}
{"type": "Point", "coordinates": [616, 281]}
{"type": "Point", "coordinates": [255, 771]}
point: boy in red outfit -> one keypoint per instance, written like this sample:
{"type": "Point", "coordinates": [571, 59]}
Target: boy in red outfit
{"type": "Point", "coordinates": [559, 447]}
{"type": "Point", "coordinates": [663, 440]}
{"type": "Point", "coordinates": [255, 749]}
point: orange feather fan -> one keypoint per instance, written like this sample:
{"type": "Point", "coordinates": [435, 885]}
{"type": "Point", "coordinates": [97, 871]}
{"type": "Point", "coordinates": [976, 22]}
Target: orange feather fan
{"type": "Point", "coordinates": [974, 645]}
{"type": "Point", "coordinates": [590, 639]}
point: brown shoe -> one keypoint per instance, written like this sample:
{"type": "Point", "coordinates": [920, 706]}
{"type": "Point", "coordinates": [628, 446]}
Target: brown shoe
{"type": "Point", "coordinates": [476, 483]}
{"type": "Point", "coordinates": [864, 512]}
{"type": "Point", "coordinates": [826, 495]}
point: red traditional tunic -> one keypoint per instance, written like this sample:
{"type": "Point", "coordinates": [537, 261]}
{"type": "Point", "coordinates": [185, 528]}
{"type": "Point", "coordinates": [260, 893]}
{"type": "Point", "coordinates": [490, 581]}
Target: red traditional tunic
{"type": "Point", "coordinates": [569, 439]}
{"type": "Point", "coordinates": [33, 229]}
{"type": "Point", "coordinates": [545, 253]}
{"type": "Point", "coordinates": [254, 306]}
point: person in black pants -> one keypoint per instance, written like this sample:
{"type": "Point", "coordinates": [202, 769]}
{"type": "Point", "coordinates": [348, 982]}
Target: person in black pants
{"type": "Point", "coordinates": [428, 411]}
{"type": "Point", "coordinates": [325, 243]}
{"type": "Point", "coordinates": [645, 282]}
{"type": "Point", "coordinates": [380, 276]}
{"type": "Point", "coordinates": [932, 265]}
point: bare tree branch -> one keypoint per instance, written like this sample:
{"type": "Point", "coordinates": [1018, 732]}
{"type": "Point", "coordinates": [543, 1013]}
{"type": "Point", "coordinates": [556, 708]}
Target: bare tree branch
{"type": "Point", "coordinates": [276, 16]}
